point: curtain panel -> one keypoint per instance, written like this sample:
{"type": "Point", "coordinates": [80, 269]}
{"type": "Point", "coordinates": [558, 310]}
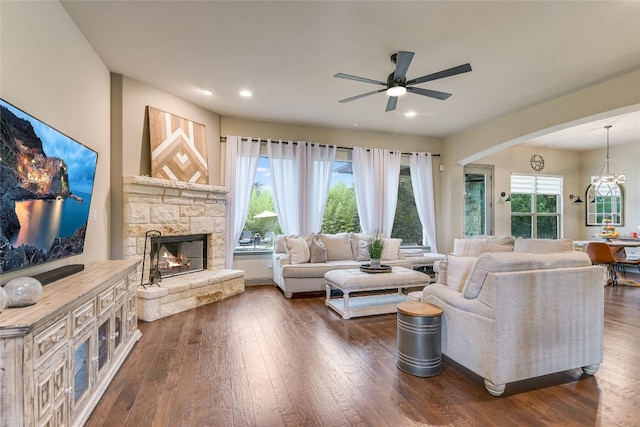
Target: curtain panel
{"type": "Point", "coordinates": [421, 167]}
{"type": "Point", "coordinates": [241, 164]}
{"type": "Point", "coordinates": [301, 177]}
{"type": "Point", "coordinates": [376, 174]}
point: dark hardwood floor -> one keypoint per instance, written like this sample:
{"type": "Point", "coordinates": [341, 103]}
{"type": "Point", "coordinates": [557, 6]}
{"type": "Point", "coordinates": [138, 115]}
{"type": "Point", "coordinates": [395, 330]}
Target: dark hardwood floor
{"type": "Point", "coordinates": [258, 359]}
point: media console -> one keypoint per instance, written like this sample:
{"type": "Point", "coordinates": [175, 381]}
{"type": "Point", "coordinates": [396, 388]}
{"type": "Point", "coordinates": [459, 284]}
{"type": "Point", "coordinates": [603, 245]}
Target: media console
{"type": "Point", "coordinates": [57, 357]}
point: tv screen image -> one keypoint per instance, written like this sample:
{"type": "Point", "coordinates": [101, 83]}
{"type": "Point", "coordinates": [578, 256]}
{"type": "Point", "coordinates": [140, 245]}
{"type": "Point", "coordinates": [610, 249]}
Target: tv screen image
{"type": "Point", "coordinates": [46, 184]}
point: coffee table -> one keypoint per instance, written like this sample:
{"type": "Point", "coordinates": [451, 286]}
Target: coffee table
{"type": "Point", "coordinates": [354, 280]}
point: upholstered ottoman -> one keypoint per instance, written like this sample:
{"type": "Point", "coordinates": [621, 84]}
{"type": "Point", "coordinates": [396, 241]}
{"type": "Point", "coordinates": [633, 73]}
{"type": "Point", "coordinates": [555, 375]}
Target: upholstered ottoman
{"type": "Point", "coordinates": [354, 280]}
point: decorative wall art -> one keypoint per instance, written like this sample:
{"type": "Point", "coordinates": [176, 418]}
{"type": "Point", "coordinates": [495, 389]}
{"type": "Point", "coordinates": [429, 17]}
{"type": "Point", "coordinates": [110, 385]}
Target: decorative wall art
{"type": "Point", "coordinates": [178, 148]}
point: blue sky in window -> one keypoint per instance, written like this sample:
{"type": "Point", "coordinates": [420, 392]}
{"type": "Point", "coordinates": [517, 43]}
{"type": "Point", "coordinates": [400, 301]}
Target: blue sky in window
{"type": "Point", "coordinates": [263, 174]}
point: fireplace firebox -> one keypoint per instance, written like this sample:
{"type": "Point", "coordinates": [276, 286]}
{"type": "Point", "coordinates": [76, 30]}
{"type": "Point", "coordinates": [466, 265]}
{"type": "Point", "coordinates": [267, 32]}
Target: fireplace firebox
{"type": "Point", "coordinates": [174, 255]}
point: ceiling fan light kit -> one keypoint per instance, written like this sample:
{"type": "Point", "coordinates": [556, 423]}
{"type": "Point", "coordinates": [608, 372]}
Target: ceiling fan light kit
{"type": "Point", "coordinates": [397, 84]}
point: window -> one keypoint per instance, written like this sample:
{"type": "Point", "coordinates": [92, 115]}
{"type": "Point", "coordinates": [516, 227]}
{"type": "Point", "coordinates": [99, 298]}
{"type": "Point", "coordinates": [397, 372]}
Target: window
{"type": "Point", "coordinates": [341, 212]}
{"type": "Point", "coordinates": [536, 206]}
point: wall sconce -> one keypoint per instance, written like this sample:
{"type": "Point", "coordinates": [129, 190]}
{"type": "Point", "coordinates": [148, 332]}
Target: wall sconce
{"type": "Point", "coordinates": [505, 197]}
{"type": "Point", "coordinates": [577, 200]}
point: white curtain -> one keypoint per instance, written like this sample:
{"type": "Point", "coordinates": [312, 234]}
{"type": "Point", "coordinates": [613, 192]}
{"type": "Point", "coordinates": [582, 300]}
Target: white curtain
{"type": "Point", "coordinates": [301, 176]}
{"type": "Point", "coordinates": [241, 164]}
{"type": "Point", "coordinates": [286, 177]}
{"type": "Point", "coordinates": [376, 173]}
{"type": "Point", "coordinates": [320, 160]}
{"type": "Point", "coordinates": [422, 182]}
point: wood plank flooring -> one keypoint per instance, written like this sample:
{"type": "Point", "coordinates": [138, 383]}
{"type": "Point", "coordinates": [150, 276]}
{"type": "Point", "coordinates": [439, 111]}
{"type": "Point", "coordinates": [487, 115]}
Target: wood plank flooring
{"type": "Point", "coordinates": [258, 359]}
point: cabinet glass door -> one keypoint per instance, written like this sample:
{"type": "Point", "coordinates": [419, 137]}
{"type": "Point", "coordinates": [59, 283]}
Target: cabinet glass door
{"type": "Point", "coordinates": [104, 333]}
{"type": "Point", "coordinates": [83, 353]}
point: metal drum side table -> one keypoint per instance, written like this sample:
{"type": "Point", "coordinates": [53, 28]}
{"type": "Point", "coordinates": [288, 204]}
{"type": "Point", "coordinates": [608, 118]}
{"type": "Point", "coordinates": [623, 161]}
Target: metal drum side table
{"type": "Point", "coordinates": [419, 338]}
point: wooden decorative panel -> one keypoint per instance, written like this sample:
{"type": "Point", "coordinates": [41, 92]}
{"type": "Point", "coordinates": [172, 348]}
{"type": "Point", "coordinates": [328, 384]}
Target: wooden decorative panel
{"type": "Point", "coordinates": [178, 148]}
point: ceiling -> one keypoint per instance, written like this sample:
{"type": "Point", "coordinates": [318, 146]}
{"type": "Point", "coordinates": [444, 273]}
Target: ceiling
{"type": "Point", "coordinates": [522, 53]}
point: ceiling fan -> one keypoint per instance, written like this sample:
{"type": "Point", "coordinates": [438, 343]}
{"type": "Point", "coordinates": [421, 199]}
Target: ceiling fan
{"type": "Point", "coordinates": [397, 84]}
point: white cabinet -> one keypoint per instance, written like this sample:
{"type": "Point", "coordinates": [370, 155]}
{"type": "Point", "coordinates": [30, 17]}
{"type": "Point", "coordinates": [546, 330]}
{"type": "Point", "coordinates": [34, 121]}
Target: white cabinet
{"type": "Point", "coordinates": [59, 355]}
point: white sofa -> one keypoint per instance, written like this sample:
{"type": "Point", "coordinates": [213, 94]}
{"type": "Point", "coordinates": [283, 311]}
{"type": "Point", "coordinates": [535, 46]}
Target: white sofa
{"type": "Point", "coordinates": [509, 316]}
{"type": "Point", "coordinates": [295, 270]}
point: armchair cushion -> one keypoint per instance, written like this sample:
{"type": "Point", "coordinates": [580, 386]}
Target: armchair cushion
{"type": "Point", "coordinates": [503, 262]}
{"type": "Point", "coordinates": [457, 271]}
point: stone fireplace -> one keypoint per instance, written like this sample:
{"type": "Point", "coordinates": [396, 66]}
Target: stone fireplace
{"type": "Point", "coordinates": [176, 209]}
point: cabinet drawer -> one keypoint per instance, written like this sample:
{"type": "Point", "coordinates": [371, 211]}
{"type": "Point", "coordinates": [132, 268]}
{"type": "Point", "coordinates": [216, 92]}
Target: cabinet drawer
{"type": "Point", "coordinates": [84, 315]}
{"type": "Point", "coordinates": [51, 339]}
{"type": "Point", "coordinates": [132, 279]}
{"type": "Point", "coordinates": [120, 289]}
{"type": "Point", "coordinates": [105, 300]}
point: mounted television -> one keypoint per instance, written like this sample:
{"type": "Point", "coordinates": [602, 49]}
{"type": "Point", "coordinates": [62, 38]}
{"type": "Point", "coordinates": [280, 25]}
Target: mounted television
{"type": "Point", "coordinates": [46, 184]}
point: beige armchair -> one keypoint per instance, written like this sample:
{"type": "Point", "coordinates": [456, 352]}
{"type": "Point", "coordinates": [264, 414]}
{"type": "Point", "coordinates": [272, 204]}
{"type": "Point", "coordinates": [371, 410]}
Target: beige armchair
{"type": "Point", "coordinates": [512, 316]}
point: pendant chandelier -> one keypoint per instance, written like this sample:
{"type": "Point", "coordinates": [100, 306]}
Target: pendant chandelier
{"type": "Point", "coordinates": [610, 173]}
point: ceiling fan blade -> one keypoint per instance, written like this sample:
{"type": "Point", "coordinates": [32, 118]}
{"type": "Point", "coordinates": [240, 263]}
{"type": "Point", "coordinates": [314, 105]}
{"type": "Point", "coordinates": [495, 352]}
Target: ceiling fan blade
{"type": "Point", "coordinates": [403, 60]}
{"type": "Point", "coordinates": [442, 74]}
{"type": "Point", "coordinates": [430, 93]}
{"type": "Point", "coordinates": [353, 98]}
{"type": "Point", "coordinates": [391, 103]}
{"type": "Point", "coordinates": [358, 79]}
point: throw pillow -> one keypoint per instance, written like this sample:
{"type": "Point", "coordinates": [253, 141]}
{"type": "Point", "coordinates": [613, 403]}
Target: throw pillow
{"type": "Point", "coordinates": [467, 247]}
{"type": "Point", "coordinates": [338, 246]}
{"type": "Point", "coordinates": [391, 249]}
{"type": "Point", "coordinates": [360, 246]}
{"type": "Point", "coordinates": [542, 246]}
{"type": "Point", "coordinates": [317, 251]}
{"type": "Point", "coordinates": [297, 250]}
{"type": "Point", "coordinates": [458, 270]}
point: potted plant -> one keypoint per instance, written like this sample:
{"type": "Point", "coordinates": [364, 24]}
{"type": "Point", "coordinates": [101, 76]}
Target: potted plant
{"type": "Point", "coordinates": [376, 246]}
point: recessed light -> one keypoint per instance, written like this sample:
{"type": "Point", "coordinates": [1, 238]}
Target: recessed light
{"type": "Point", "coordinates": [208, 90]}
{"type": "Point", "coordinates": [355, 125]}
{"type": "Point", "coordinates": [410, 114]}
{"type": "Point", "coordinates": [246, 93]}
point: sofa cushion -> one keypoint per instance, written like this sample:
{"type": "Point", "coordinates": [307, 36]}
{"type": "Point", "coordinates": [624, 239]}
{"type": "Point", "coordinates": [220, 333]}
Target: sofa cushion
{"type": "Point", "coordinates": [317, 251]}
{"type": "Point", "coordinates": [542, 246]}
{"type": "Point", "coordinates": [279, 245]}
{"type": "Point", "coordinates": [457, 271]}
{"type": "Point", "coordinates": [492, 262]}
{"type": "Point", "coordinates": [306, 270]}
{"type": "Point", "coordinates": [338, 246]}
{"type": "Point", "coordinates": [297, 249]}
{"type": "Point", "coordinates": [391, 249]}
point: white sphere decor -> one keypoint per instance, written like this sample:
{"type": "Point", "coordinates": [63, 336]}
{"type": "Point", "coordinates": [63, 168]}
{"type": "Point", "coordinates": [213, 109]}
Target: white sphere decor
{"type": "Point", "coordinates": [3, 298]}
{"type": "Point", "coordinates": [23, 291]}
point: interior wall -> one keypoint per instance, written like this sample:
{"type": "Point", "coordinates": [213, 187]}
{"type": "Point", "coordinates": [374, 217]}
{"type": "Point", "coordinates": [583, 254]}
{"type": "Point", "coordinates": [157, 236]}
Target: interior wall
{"type": "Point", "coordinates": [130, 138]}
{"type": "Point", "coordinates": [563, 163]}
{"type": "Point", "coordinates": [618, 93]}
{"type": "Point", "coordinates": [49, 70]}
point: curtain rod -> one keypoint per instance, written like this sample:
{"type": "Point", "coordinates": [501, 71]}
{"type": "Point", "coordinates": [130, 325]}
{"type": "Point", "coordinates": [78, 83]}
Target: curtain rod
{"type": "Point", "coordinates": [224, 139]}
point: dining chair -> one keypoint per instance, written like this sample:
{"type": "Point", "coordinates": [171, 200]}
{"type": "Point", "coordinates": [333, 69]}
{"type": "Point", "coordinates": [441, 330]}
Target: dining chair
{"type": "Point", "coordinates": [600, 254]}
{"type": "Point", "coordinates": [622, 261]}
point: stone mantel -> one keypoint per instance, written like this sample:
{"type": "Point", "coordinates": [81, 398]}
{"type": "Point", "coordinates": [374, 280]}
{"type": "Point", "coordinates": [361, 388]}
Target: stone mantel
{"type": "Point", "coordinates": [147, 181]}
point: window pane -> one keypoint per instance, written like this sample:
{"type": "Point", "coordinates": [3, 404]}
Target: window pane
{"type": "Point", "coordinates": [341, 213]}
{"type": "Point", "coordinates": [261, 230]}
{"type": "Point", "coordinates": [406, 224]}
{"type": "Point", "coordinates": [521, 203]}
{"type": "Point", "coordinates": [521, 226]}
{"type": "Point", "coordinates": [546, 204]}
{"type": "Point", "coordinates": [547, 227]}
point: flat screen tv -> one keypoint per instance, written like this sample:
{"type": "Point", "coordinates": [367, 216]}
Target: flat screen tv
{"type": "Point", "coordinates": [46, 184]}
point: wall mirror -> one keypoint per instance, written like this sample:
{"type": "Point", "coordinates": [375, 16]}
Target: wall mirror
{"type": "Point", "coordinates": [605, 200]}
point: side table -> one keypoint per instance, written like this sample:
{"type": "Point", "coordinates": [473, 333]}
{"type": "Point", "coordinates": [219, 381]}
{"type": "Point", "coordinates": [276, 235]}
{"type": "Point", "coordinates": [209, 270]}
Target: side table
{"type": "Point", "coordinates": [419, 338]}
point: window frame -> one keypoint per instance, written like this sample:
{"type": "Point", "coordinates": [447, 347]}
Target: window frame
{"type": "Point", "coordinates": [534, 186]}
